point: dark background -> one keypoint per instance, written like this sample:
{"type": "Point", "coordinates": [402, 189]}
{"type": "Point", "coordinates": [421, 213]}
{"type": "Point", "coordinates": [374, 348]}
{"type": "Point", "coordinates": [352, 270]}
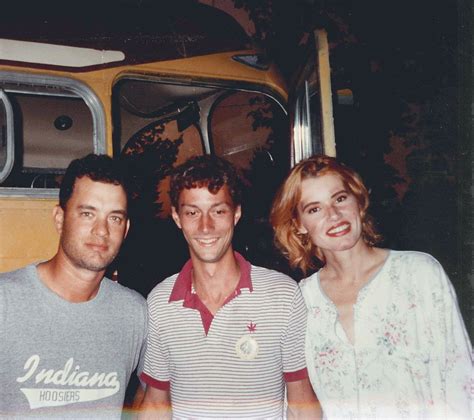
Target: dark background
{"type": "Point", "coordinates": [408, 132]}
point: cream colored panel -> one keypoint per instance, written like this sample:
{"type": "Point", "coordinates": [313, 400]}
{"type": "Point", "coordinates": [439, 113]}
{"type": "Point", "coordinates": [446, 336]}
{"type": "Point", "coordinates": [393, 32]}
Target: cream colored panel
{"type": "Point", "coordinates": [27, 233]}
{"type": "Point", "coordinates": [61, 55]}
{"type": "Point", "coordinates": [44, 145]}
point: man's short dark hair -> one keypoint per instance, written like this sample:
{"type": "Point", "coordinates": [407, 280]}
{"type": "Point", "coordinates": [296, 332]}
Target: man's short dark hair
{"type": "Point", "coordinates": [100, 168]}
{"type": "Point", "coordinates": [208, 171]}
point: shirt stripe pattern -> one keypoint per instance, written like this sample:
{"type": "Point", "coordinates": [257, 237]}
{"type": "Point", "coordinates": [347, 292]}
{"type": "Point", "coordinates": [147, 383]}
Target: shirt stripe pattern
{"type": "Point", "coordinates": [238, 368]}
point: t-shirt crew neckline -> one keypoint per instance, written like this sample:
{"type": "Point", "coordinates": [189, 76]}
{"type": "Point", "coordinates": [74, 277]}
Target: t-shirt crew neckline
{"type": "Point", "coordinates": [53, 298]}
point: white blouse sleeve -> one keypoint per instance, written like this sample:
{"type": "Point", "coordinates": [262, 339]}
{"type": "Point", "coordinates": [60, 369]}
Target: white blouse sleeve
{"type": "Point", "coordinates": [452, 345]}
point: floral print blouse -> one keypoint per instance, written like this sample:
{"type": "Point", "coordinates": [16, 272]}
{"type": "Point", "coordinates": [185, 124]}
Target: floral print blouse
{"type": "Point", "coordinates": [411, 356]}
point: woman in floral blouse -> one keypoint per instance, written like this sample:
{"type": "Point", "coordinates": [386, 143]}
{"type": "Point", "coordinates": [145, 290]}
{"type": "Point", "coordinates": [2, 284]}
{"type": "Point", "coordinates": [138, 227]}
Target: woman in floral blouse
{"type": "Point", "coordinates": [385, 337]}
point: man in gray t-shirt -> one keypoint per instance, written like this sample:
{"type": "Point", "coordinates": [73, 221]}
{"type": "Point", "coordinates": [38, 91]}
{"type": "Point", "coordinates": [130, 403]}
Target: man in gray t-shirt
{"type": "Point", "coordinates": [70, 338]}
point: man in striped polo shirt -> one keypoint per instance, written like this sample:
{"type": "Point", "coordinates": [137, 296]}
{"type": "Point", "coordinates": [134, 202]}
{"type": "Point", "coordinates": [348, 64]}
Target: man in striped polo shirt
{"type": "Point", "coordinates": [224, 336]}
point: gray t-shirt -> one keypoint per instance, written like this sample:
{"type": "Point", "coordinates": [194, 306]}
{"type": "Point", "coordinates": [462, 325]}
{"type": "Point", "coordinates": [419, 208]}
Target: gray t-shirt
{"type": "Point", "coordinates": [63, 359]}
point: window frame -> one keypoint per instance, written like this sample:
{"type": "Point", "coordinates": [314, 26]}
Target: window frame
{"type": "Point", "coordinates": [227, 87]}
{"type": "Point", "coordinates": [10, 146]}
{"type": "Point", "coordinates": [45, 85]}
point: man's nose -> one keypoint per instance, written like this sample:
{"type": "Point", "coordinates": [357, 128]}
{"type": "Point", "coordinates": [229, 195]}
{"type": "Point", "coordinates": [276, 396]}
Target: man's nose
{"type": "Point", "coordinates": [207, 223]}
{"type": "Point", "coordinates": [101, 227]}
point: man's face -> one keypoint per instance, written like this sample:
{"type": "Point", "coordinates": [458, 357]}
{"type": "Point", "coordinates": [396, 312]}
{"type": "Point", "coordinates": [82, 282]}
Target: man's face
{"type": "Point", "coordinates": [93, 225]}
{"type": "Point", "coordinates": [207, 221]}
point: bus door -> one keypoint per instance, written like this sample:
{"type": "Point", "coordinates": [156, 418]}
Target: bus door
{"type": "Point", "coordinates": [310, 103]}
{"type": "Point", "coordinates": [161, 122]}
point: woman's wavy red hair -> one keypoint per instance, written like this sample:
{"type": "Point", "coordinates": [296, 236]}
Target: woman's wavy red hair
{"type": "Point", "coordinates": [296, 247]}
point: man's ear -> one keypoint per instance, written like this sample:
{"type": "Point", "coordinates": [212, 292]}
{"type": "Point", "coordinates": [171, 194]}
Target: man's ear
{"type": "Point", "coordinates": [58, 218]}
{"type": "Point", "coordinates": [175, 216]}
{"type": "Point", "coordinates": [126, 229]}
{"type": "Point", "coordinates": [237, 214]}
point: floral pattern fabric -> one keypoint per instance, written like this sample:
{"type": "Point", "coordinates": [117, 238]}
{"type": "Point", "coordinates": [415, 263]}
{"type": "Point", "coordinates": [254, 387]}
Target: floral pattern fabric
{"type": "Point", "coordinates": [411, 356]}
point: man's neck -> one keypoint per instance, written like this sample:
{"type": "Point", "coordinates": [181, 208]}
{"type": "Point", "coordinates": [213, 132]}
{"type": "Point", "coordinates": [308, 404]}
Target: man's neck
{"type": "Point", "coordinates": [70, 283]}
{"type": "Point", "coordinates": [214, 282]}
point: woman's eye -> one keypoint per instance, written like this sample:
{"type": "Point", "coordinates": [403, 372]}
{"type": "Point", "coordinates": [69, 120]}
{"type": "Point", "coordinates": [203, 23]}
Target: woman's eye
{"type": "Point", "coordinates": [314, 210]}
{"type": "Point", "coordinates": [341, 198]}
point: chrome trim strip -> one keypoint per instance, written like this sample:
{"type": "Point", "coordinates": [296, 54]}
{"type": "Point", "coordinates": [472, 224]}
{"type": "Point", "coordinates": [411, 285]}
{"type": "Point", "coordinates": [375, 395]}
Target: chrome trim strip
{"type": "Point", "coordinates": [10, 150]}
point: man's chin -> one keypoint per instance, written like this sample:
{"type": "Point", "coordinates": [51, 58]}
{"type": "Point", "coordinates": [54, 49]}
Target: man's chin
{"type": "Point", "coordinates": [95, 266]}
{"type": "Point", "coordinates": [209, 259]}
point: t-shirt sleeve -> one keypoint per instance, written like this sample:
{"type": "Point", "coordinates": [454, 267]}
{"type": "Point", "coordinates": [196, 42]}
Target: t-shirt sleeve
{"type": "Point", "coordinates": [155, 364]}
{"type": "Point", "coordinates": [141, 359]}
{"type": "Point", "coordinates": [293, 340]}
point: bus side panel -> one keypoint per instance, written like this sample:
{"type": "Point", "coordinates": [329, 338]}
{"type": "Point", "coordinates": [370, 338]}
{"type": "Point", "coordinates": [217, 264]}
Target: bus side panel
{"type": "Point", "coordinates": [27, 231]}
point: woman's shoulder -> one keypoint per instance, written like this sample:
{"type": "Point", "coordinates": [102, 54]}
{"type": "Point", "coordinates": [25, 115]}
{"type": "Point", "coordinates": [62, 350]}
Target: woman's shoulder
{"type": "Point", "coordinates": [418, 270]}
{"type": "Point", "coordinates": [415, 260]}
{"type": "Point", "coordinates": [310, 285]}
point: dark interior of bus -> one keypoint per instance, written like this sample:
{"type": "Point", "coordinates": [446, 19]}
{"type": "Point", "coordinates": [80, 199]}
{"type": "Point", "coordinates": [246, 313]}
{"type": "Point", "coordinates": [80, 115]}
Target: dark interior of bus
{"type": "Point", "coordinates": [158, 130]}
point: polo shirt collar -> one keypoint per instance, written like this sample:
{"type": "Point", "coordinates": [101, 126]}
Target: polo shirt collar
{"type": "Point", "coordinates": [182, 289]}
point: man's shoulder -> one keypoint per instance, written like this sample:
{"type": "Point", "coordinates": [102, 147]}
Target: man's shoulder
{"type": "Point", "coordinates": [122, 294]}
{"type": "Point", "coordinates": [275, 280]}
{"type": "Point", "coordinates": [17, 278]}
{"type": "Point", "coordinates": [164, 288]}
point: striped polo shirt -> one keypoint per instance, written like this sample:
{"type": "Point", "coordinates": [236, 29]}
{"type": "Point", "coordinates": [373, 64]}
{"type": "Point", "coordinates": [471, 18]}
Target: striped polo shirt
{"type": "Point", "coordinates": [232, 364]}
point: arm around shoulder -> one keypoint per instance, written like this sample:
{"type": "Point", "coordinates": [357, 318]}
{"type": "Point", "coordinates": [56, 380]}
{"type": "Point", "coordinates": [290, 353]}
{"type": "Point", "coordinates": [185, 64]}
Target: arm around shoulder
{"type": "Point", "coordinates": [302, 401]}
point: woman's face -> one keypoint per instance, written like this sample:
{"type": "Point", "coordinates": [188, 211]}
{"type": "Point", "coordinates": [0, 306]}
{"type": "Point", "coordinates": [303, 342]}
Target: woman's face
{"type": "Point", "coordinates": [329, 214]}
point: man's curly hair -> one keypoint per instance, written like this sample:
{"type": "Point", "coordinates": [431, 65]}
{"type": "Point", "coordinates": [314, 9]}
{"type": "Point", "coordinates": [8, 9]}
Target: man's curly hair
{"type": "Point", "coordinates": [208, 171]}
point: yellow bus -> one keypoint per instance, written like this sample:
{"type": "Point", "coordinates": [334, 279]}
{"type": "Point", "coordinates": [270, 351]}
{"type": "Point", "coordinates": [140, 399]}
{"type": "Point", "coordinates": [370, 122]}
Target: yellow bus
{"type": "Point", "coordinates": [151, 89]}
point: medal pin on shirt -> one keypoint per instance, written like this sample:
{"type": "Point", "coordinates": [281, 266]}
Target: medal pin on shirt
{"type": "Point", "coordinates": [246, 347]}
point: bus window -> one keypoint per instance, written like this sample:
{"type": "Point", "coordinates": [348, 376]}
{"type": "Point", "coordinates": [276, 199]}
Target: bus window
{"type": "Point", "coordinates": [156, 128]}
{"type": "Point", "coordinates": [250, 130]}
{"type": "Point", "coordinates": [160, 125]}
{"type": "Point", "coordinates": [238, 127]}
{"type": "Point", "coordinates": [180, 79]}
{"type": "Point", "coordinates": [47, 128]}
{"type": "Point", "coordinates": [149, 155]}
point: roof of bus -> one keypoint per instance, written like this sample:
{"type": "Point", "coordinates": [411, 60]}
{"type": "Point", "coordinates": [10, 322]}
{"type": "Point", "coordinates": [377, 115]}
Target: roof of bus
{"type": "Point", "coordinates": [142, 31]}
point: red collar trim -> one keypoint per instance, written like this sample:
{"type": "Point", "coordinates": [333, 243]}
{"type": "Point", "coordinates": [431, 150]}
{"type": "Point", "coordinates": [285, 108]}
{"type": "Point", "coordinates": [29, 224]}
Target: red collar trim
{"type": "Point", "coordinates": [182, 286]}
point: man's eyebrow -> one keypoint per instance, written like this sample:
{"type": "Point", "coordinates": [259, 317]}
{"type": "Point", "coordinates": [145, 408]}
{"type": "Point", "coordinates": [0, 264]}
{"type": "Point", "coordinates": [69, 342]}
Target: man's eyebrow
{"type": "Point", "coordinates": [194, 206]}
{"type": "Point", "coordinates": [86, 207]}
{"type": "Point", "coordinates": [222, 203]}
{"type": "Point", "coordinates": [93, 208]}
{"type": "Point", "coordinates": [120, 211]}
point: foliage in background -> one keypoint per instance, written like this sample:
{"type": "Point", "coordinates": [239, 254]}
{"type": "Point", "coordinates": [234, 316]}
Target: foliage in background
{"type": "Point", "coordinates": [401, 60]}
